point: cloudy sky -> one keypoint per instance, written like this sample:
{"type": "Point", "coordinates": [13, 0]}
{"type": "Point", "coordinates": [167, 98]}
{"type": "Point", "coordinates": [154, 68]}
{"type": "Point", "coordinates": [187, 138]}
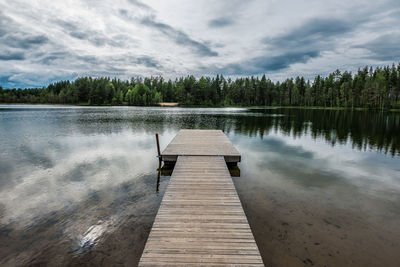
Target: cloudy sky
{"type": "Point", "coordinates": [45, 41]}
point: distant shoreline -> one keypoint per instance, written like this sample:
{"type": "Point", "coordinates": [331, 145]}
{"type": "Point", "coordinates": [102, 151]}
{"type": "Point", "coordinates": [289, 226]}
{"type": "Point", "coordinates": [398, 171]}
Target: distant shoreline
{"type": "Point", "coordinates": [177, 105]}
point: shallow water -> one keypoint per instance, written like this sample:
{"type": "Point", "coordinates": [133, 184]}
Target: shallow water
{"type": "Point", "coordinates": [78, 184]}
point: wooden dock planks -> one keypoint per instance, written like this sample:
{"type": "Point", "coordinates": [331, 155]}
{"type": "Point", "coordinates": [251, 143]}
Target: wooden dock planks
{"type": "Point", "coordinates": [201, 221]}
{"type": "Point", "coordinates": [200, 143]}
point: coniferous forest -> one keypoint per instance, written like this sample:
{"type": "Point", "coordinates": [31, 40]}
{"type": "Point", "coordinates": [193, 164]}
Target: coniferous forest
{"type": "Point", "coordinates": [368, 88]}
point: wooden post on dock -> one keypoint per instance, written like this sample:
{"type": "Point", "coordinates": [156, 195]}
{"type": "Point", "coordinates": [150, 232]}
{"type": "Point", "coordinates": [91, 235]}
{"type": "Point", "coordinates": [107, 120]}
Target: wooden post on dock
{"type": "Point", "coordinates": [158, 150]}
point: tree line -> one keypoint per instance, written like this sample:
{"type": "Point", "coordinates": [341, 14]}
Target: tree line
{"type": "Point", "coordinates": [369, 87]}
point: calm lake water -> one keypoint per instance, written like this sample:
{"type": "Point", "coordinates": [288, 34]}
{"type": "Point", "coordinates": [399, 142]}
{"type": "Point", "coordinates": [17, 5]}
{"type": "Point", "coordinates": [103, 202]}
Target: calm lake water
{"type": "Point", "coordinates": [78, 184]}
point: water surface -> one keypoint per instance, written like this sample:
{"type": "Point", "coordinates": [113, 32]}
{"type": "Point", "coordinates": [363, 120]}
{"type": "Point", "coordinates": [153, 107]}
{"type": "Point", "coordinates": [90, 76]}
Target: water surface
{"type": "Point", "coordinates": [78, 184]}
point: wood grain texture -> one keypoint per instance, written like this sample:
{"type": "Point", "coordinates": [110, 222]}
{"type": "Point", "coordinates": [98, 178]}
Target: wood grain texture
{"type": "Point", "coordinates": [201, 221]}
{"type": "Point", "coordinates": [201, 143]}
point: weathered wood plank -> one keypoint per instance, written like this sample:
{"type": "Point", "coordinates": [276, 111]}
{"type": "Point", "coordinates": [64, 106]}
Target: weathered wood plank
{"type": "Point", "coordinates": [201, 221]}
{"type": "Point", "coordinates": [201, 143]}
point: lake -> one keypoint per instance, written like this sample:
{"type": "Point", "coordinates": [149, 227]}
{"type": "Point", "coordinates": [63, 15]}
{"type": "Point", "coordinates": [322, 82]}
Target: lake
{"type": "Point", "coordinates": [78, 185]}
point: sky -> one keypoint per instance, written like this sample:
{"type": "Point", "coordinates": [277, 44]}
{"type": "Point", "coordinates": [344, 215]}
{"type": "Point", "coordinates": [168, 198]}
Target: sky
{"type": "Point", "coordinates": [45, 41]}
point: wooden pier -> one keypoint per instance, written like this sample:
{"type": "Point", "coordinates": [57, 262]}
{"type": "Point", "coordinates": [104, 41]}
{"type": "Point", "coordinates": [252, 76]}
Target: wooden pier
{"type": "Point", "coordinates": [201, 220]}
{"type": "Point", "coordinates": [201, 143]}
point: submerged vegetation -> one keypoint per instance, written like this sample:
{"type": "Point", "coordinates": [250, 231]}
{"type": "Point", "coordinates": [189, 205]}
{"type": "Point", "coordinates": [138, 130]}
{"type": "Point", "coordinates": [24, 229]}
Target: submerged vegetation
{"type": "Point", "coordinates": [368, 88]}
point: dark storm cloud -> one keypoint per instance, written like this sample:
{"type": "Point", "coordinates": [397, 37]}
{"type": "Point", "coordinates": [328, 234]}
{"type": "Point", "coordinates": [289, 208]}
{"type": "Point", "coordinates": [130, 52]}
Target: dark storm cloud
{"type": "Point", "coordinates": [90, 59]}
{"type": "Point", "coordinates": [140, 4]}
{"type": "Point", "coordinates": [123, 12]}
{"type": "Point", "coordinates": [220, 22]}
{"type": "Point", "coordinates": [266, 63]}
{"type": "Point", "coordinates": [61, 57]}
{"type": "Point", "coordinates": [22, 41]}
{"type": "Point", "coordinates": [102, 64]}
{"type": "Point", "coordinates": [79, 35]}
{"type": "Point", "coordinates": [148, 62]}
{"type": "Point", "coordinates": [11, 35]}
{"type": "Point", "coordinates": [384, 47]}
{"type": "Point", "coordinates": [66, 25]}
{"type": "Point", "coordinates": [317, 32]}
{"type": "Point", "coordinates": [283, 61]}
{"type": "Point", "coordinates": [298, 45]}
{"type": "Point", "coordinates": [51, 57]}
{"type": "Point", "coordinates": [7, 55]}
{"type": "Point", "coordinates": [142, 60]}
{"type": "Point", "coordinates": [305, 42]}
{"type": "Point", "coordinates": [179, 37]}
{"type": "Point", "coordinates": [94, 37]}
{"type": "Point", "coordinates": [4, 23]}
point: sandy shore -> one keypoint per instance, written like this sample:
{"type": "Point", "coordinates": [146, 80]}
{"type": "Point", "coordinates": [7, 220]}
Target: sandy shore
{"type": "Point", "coordinates": [168, 104]}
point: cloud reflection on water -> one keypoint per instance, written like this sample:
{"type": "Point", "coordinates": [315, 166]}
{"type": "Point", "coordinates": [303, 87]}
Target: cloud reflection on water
{"type": "Point", "coordinates": [87, 165]}
{"type": "Point", "coordinates": [310, 162]}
